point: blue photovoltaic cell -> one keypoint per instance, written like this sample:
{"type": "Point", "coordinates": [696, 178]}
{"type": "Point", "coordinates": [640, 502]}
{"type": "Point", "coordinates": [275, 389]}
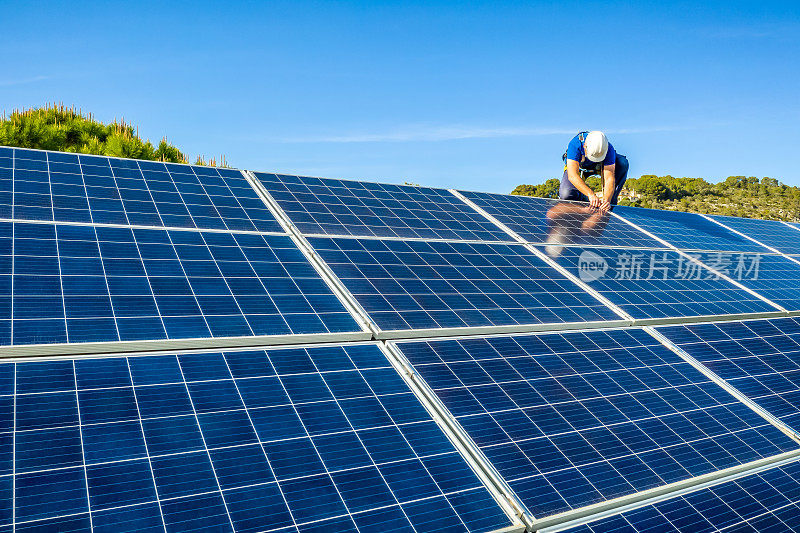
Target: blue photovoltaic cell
{"type": "Point", "coordinates": [543, 220]}
{"type": "Point", "coordinates": [416, 285]}
{"type": "Point", "coordinates": [576, 418]}
{"type": "Point", "coordinates": [658, 283]}
{"type": "Point", "coordinates": [65, 283]}
{"type": "Point", "coordinates": [37, 185]}
{"type": "Point", "coordinates": [329, 438]}
{"type": "Point", "coordinates": [761, 358]}
{"type": "Point", "coordinates": [773, 276]}
{"type": "Point", "coordinates": [767, 501]}
{"type": "Point", "coordinates": [687, 231]}
{"type": "Point", "coordinates": [340, 207]}
{"type": "Point", "coordinates": [782, 237]}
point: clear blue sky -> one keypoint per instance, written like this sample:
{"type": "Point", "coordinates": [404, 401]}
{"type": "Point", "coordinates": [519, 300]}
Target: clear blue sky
{"type": "Point", "coordinates": [478, 95]}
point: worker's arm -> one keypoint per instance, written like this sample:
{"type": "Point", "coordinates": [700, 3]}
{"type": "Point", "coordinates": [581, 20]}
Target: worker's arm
{"type": "Point", "coordinates": [609, 183]}
{"type": "Point", "coordinates": [575, 178]}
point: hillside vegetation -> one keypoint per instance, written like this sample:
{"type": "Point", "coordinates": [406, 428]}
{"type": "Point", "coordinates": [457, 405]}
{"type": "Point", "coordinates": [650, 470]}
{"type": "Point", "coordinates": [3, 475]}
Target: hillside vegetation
{"type": "Point", "coordinates": [742, 196]}
{"type": "Point", "coordinates": [55, 127]}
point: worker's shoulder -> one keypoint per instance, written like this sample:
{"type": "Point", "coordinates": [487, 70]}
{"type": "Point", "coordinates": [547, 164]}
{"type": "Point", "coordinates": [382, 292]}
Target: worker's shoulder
{"type": "Point", "coordinates": [574, 148]}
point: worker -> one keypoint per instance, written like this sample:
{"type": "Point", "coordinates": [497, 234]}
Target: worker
{"type": "Point", "coordinates": [590, 153]}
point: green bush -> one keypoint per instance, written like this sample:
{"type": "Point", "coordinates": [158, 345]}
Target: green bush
{"type": "Point", "coordinates": [66, 130]}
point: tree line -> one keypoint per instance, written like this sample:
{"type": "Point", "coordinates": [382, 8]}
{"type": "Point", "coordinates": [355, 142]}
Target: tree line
{"type": "Point", "coordinates": [741, 196]}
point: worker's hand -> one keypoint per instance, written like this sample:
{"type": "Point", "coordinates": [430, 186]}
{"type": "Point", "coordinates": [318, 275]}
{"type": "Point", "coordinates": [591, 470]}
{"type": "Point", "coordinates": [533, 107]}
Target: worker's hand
{"type": "Point", "coordinates": [594, 201]}
{"type": "Point", "coordinates": [605, 206]}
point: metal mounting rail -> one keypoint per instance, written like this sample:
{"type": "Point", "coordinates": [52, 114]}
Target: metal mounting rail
{"type": "Point", "coordinates": [213, 343]}
{"type": "Point", "coordinates": [598, 511]}
{"type": "Point", "coordinates": [411, 334]}
{"type": "Point", "coordinates": [510, 529]}
{"type": "Point", "coordinates": [210, 343]}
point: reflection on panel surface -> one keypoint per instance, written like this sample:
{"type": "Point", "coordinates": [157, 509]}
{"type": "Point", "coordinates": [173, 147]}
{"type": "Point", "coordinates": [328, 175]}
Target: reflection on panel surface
{"type": "Point", "coordinates": [542, 220]}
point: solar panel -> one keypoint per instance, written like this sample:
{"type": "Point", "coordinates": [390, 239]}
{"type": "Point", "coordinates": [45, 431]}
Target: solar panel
{"type": "Point", "coordinates": [543, 220]}
{"type": "Point", "coordinates": [576, 418]}
{"type": "Point", "coordinates": [772, 276]}
{"type": "Point", "coordinates": [55, 186]}
{"type": "Point", "coordinates": [659, 284]}
{"type": "Point", "coordinates": [761, 358]}
{"type": "Point", "coordinates": [687, 231]}
{"type": "Point", "coordinates": [75, 283]}
{"type": "Point", "coordinates": [778, 235]}
{"type": "Point", "coordinates": [99, 249]}
{"type": "Point", "coordinates": [339, 207]}
{"type": "Point", "coordinates": [767, 501]}
{"type": "Point", "coordinates": [418, 285]}
{"type": "Point", "coordinates": [278, 440]}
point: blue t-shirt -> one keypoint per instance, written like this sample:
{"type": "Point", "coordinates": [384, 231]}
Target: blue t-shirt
{"type": "Point", "coordinates": [576, 153]}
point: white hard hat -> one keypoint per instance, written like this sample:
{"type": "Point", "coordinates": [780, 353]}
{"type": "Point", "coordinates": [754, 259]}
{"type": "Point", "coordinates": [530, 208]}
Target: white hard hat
{"type": "Point", "coordinates": [596, 146]}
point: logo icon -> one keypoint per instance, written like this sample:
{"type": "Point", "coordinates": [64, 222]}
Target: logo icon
{"type": "Point", "coordinates": [591, 266]}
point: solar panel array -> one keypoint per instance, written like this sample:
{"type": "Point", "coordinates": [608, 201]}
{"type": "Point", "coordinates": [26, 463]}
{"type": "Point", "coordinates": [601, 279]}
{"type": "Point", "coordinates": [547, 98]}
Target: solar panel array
{"type": "Point", "coordinates": [485, 432]}
{"type": "Point", "coordinates": [272, 440]}
{"type": "Point", "coordinates": [641, 275]}
{"type": "Point", "coordinates": [576, 418]}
